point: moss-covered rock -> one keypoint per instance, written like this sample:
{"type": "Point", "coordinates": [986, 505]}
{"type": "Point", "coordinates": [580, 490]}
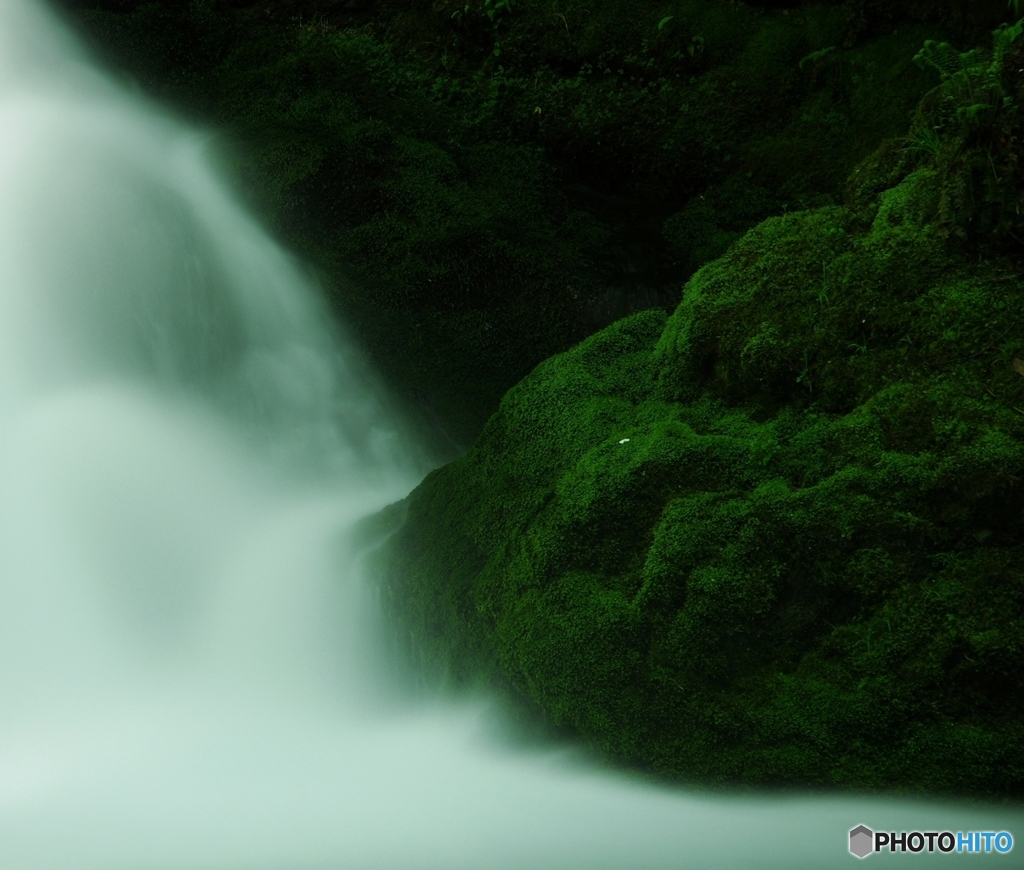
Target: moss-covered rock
{"type": "Point", "coordinates": [775, 538]}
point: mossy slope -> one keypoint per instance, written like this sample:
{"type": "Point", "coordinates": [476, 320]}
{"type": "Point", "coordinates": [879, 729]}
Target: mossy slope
{"type": "Point", "coordinates": [775, 537]}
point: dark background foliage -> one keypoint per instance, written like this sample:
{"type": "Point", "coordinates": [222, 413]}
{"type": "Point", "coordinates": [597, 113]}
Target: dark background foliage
{"type": "Point", "coordinates": [483, 186]}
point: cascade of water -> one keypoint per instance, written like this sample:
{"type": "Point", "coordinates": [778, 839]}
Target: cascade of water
{"type": "Point", "coordinates": [184, 440]}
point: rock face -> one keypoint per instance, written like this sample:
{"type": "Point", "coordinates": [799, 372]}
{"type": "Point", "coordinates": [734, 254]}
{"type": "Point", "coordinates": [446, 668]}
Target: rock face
{"type": "Point", "coordinates": [775, 537]}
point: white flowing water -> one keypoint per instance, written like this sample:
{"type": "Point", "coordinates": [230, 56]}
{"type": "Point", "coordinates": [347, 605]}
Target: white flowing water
{"type": "Point", "coordinates": [186, 656]}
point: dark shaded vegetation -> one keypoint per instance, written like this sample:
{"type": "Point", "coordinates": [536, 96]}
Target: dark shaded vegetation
{"type": "Point", "coordinates": [777, 536]}
{"type": "Point", "coordinates": [766, 529]}
{"type": "Point", "coordinates": [482, 185]}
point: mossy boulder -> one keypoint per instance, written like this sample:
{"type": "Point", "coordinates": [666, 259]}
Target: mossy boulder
{"type": "Point", "coordinates": [775, 537]}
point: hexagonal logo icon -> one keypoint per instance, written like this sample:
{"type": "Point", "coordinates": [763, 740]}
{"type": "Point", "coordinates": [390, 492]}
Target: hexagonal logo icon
{"type": "Point", "coordinates": [862, 841]}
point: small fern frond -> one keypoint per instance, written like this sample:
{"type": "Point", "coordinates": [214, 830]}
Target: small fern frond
{"type": "Point", "coordinates": [947, 60]}
{"type": "Point", "coordinates": [1003, 38]}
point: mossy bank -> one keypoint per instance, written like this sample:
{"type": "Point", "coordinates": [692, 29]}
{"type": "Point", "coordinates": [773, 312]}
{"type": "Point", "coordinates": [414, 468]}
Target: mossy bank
{"type": "Point", "coordinates": [777, 536]}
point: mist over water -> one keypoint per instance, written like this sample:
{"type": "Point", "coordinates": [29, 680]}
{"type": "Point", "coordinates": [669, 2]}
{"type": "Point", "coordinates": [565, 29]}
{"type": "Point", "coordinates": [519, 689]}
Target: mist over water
{"type": "Point", "coordinates": [187, 671]}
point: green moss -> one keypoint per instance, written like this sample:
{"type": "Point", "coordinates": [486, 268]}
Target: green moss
{"type": "Point", "coordinates": [774, 538]}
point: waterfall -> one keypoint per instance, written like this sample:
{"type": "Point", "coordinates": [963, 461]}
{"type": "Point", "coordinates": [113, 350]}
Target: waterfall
{"type": "Point", "coordinates": [187, 673]}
